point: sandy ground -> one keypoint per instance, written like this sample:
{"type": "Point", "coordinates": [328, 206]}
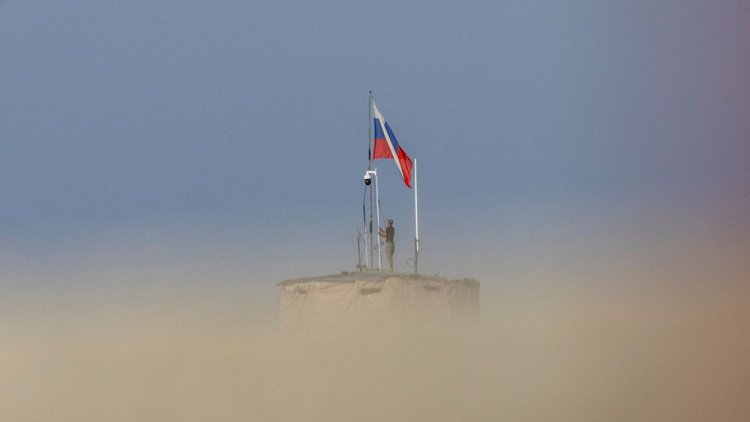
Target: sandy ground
{"type": "Point", "coordinates": [537, 355]}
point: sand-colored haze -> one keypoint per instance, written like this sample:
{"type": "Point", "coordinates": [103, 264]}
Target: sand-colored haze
{"type": "Point", "coordinates": [537, 355]}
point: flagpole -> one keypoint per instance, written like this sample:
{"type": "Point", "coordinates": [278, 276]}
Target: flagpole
{"type": "Point", "coordinates": [416, 223]}
{"type": "Point", "coordinates": [369, 132]}
{"type": "Point", "coordinates": [377, 207]}
{"type": "Point", "coordinates": [369, 167]}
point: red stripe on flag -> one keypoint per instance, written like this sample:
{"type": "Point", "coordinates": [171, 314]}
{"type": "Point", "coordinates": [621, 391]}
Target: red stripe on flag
{"type": "Point", "coordinates": [381, 149]}
{"type": "Point", "coordinates": [405, 166]}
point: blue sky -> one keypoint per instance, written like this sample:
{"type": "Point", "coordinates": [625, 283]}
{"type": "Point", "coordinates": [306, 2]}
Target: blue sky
{"type": "Point", "coordinates": [234, 133]}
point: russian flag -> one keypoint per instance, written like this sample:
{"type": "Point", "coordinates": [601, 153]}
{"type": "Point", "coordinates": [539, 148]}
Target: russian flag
{"type": "Point", "coordinates": [386, 146]}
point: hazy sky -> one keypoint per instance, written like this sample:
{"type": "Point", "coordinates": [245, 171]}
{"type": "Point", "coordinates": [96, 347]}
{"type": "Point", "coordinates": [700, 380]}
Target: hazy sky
{"type": "Point", "coordinates": [234, 133]}
{"type": "Point", "coordinates": [164, 163]}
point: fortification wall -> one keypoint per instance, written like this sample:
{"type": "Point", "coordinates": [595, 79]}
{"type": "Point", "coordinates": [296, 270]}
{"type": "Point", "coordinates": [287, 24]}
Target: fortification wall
{"type": "Point", "coordinates": [376, 297]}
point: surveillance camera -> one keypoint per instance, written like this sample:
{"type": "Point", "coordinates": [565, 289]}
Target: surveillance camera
{"type": "Point", "coordinates": [368, 178]}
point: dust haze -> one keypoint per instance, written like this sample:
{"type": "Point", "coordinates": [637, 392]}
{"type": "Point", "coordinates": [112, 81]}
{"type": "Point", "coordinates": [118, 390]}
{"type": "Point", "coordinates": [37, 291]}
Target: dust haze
{"type": "Point", "coordinates": [548, 353]}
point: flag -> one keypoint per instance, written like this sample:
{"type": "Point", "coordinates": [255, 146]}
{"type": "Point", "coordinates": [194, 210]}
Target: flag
{"type": "Point", "coordinates": [386, 146]}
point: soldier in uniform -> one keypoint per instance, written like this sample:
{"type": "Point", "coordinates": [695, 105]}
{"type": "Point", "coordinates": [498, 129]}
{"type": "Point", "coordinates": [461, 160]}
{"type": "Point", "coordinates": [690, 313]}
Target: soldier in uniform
{"type": "Point", "coordinates": [388, 234]}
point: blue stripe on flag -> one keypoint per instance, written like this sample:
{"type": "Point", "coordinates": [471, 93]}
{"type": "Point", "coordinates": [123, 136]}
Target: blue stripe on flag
{"type": "Point", "coordinates": [378, 130]}
{"type": "Point", "coordinates": [392, 136]}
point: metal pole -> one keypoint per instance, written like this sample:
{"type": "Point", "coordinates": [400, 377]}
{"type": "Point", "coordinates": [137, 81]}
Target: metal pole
{"type": "Point", "coordinates": [369, 132]}
{"type": "Point", "coordinates": [359, 252]}
{"type": "Point", "coordinates": [367, 250]}
{"type": "Point", "coordinates": [369, 167]}
{"type": "Point", "coordinates": [363, 236]}
{"type": "Point", "coordinates": [416, 223]}
{"type": "Point", "coordinates": [370, 263]}
{"type": "Point", "coordinates": [377, 207]}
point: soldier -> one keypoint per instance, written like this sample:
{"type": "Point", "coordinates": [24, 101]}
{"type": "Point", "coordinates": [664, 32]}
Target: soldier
{"type": "Point", "coordinates": [388, 234]}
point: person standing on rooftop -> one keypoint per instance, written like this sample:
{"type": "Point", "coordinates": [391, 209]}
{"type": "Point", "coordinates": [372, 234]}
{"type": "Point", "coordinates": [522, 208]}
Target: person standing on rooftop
{"type": "Point", "coordinates": [388, 233]}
